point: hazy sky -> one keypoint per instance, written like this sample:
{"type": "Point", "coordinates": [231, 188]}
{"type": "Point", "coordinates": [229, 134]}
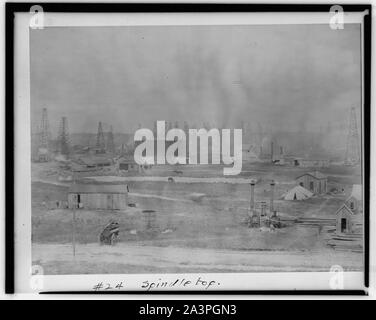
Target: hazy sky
{"type": "Point", "coordinates": [282, 75]}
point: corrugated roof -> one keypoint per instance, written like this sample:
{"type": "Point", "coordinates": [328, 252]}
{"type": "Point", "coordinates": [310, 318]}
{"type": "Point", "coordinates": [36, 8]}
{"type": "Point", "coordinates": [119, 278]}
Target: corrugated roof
{"type": "Point", "coordinates": [97, 188]}
{"type": "Point", "coordinates": [315, 174]}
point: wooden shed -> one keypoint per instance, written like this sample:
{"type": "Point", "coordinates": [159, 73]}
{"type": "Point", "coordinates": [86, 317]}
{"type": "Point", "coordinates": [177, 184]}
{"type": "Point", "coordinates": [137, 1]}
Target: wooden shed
{"type": "Point", "coordinates": [344, 220]}
{"type": "Point", "coordinates": [129, 165]}
{"type": "Point", "coordinates": [315, 182]}
{"type": "Point", "coordinates": [98, 196]}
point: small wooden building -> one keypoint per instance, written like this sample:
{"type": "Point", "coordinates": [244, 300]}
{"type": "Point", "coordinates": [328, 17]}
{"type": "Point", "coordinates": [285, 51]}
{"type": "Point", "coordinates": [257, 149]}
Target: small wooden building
{"type": "Point", "coordinates": [344, 220]}
{"type": "Point", "coordinates": [98, 196]}
{"type": "Point", "coordinates": [315, 182]}
{"type": "Point", "coordinates": [95, 162]}
{"type": "Point", "coordinates": [128, 165]}
{"type": "Point", "coordinates": [349, 215]}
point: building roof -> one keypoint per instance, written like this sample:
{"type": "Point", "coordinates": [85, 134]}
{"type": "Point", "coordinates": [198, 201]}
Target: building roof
{"type": "Point", "coordinates": [316, 174]}
{"type": "Point", "coordinates": [127, 160]}
{"type": "Point", "coordinates": [97, 188]}
{"type": "Point", "coordinates": [344, 206]}
{"type": "Point", "coordinates": [95, 160]}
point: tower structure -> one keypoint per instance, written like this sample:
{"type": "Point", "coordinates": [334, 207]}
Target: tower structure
{"type": "Point", "coordinates": [100, 144]}
{"type": "Point", "coordinates": [44, 137]}
{"type": "Point", "coordinates": [110, 141]}
{"type": "Point", "coordinates": [352, 156]}
{"type": "Point", "coordinates": [63, 138]}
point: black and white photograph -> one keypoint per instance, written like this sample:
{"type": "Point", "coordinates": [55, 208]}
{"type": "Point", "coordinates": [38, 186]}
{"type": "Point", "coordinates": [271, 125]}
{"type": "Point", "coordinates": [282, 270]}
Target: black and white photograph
{"type": "Point", "coordinates": [191, 151]}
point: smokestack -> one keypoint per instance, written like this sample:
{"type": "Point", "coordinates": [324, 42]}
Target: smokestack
{"type": "Point", "coordinates": [252, 204]}
{"type": "Point", "coordinates": [281, 150]}
{"type": "Point", "coordinates": [272, 184]}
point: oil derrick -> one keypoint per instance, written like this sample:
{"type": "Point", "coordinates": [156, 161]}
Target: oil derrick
{"type": "Point", "coordinates": [100, 145]}
{"type": "Point", "coordinates": [260, 135]}
{"type": "Point", "coordinates": [110, 141]}
{"type": "Point", "coordinates": [63, 138]}
{"type": "Point", "coordinates": [155, 130]}
{"type": "Point", "coordinates": [44, 136]}
{"type": "Point", "coordinates": [186, 128]}
{"type": "Point", "coordinates": [352, 146]}
{"type": "Point", "coordinates": [243, 127]}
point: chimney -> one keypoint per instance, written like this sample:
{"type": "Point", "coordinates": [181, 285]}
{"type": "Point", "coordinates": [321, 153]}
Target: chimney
{"type": "Point", "coordinates": [252, 204]}
{"type": "Point", "coordinates": [272, 184]}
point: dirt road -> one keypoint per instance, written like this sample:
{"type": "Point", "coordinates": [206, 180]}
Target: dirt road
{"type": "Point", "coordinates": [124, 258]}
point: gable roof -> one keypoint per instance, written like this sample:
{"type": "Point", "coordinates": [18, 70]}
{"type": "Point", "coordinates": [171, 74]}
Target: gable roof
{"type": "Point", "coordinates": [316, 174]}
{"type": "Point", "coordinates": [98, 188]}
{"type": "Point", "coordinates": [344, 206]}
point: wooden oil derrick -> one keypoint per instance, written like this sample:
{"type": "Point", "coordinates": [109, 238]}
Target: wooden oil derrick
{"type": "Point", "coordinates": [100, 144]}
{"type": "Point", "coordinates": [44, 137]}
{"type": "Point", "coordinates": [352, 156]}
{"type": "Point", "coordinates": [63, 138]}
{"type": "Point", "coordinates": [110, 141]}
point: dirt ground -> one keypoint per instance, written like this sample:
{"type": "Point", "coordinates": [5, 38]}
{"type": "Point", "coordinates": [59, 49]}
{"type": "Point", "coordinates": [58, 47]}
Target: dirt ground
{"type": "Point", "coordinates": [209, 229]}
{"type": "Point", "coordinates": [127, 258]}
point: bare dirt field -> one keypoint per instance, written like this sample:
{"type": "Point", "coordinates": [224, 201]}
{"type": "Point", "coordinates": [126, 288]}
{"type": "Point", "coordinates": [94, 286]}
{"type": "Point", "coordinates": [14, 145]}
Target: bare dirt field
{"type": "Point", "coordinates": [207, 233]}
{"type": "Point", "coordinates": [127, 258]}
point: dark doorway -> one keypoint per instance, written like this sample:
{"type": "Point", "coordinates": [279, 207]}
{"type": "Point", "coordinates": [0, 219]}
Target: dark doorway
{"type": "Point", "coordinates": [343, 225]}
{"type": "Point", "coordinates": [78, 200]}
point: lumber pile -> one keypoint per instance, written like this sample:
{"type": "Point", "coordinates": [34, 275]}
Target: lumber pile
{"type": "Point", "coordinates": [346, 242]}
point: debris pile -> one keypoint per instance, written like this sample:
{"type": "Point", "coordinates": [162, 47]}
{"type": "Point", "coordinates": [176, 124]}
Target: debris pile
{"type": "Point", "coordinates": [109, 233]}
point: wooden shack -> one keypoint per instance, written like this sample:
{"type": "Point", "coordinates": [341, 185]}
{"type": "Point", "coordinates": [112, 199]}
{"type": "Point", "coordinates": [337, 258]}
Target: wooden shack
{"type": "Point", "coordinates": [344, 220]}
{"type": "Point", "coordinates": [349, 215]}
{"type": "Point", "coordinates": [315, 182]}
{"type": "Point", "coordinates": [98, 196]}
{"type": "Point", "coordinates": [129, 165]}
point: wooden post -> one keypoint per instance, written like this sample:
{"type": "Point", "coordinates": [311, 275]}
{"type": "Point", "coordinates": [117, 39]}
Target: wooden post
{"type": "Point", "coordinates": [272, 184]}
{"type": "Point", "coordinates": [252, 204]}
